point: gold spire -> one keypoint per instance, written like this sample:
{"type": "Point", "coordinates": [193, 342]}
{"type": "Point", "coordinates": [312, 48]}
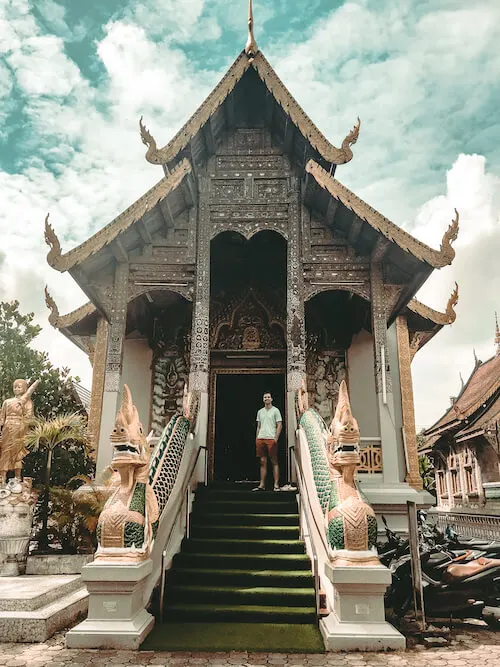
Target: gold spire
{"type": "Point", "coordinates": [251, 48]}
{"type": "Point", "coordinates": [497, 336]}
{"type": "Point", "coordinates": [148, 140]}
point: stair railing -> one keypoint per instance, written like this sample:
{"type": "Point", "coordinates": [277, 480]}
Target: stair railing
{"type": "Point", "coordinates": [186, 506]}
{"type": "Point", "coordinates": [310, 514]}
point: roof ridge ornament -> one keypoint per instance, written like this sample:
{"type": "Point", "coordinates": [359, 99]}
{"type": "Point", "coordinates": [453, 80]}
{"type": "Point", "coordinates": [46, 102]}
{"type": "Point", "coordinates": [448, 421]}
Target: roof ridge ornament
{"type": "Point", "coordinates": [149, 141]}
{"type": "Point", "coordinates": [452, 301]}
{"type": "Point", "coordinates": [52, 306]}
{"type": "Point", "coordinates": [450, 235]}
{"type": "Point", "coordinates": [51, 240]}
{"type": "Point", "coordinates": [251, 48]}
{"type": "Point", "coordinates": [497, 336]}
{"type": "Point", "coordinates": [350, 140]}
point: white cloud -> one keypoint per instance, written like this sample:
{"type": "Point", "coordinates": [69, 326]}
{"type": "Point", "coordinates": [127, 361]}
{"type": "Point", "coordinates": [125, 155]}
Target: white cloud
{"type": "Point", "coordinates": [476, 194]}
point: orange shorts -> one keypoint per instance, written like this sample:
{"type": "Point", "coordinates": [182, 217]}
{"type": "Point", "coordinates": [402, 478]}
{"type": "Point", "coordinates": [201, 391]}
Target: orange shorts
{"type": "Point", "coordinates": [266, 447]}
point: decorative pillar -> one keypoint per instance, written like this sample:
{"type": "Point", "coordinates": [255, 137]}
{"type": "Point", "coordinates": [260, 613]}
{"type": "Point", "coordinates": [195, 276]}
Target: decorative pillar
{"type": "Point", "coordinates": [295, 329]}
{"type": "Point", "coordinates": [383, 380]}
{"type": "Point", "coordinates": [200, 333]}
{"type": "Point", "coordinates": [98, 372]}
{"type": "Point", "coordinates": [113, 366]}
{"type": "Point", "coordinates": [407, 405]}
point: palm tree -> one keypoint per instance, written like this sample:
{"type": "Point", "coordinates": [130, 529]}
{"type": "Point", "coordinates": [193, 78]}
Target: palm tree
{"type": "Point", "coordinates": [68, 430]}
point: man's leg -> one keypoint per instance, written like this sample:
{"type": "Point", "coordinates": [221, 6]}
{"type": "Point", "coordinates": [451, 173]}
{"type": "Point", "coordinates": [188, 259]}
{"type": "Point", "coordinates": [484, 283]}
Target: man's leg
{"type": "Point", "coordinates": [263, 471]}
{"type": "Point", "coordinates": [276, 471]}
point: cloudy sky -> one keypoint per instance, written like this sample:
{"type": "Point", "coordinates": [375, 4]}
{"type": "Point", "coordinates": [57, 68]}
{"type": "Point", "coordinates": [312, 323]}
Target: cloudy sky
{"type": "Point", "coordinates": [423, 75]}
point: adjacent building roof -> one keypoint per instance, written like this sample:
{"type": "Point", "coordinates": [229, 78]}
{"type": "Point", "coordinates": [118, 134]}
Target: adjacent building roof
{"type": "Point", "coordinates": [481, 386]}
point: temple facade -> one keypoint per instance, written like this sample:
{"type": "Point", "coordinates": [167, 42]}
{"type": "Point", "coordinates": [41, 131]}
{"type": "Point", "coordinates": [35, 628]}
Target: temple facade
{"type": "Point", "coordinates": [248, 268]}
{"type": "Point", "coordinates": [464, 443]}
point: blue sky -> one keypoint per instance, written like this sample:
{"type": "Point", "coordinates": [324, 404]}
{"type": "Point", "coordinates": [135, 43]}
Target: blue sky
{"type": "Point", "coordinates": [423, 75]}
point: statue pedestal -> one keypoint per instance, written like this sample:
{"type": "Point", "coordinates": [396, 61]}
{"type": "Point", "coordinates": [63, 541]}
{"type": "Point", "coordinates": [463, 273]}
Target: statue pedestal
{"type": "Point", "coordinates": [357, 621]}
{"type": "Point", "coordinates": [116, 618]}
{"type": "Point", "coordinates": [16, 520]}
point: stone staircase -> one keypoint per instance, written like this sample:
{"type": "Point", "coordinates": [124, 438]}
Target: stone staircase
{"type": "Point", "coordinates": [243, 564]}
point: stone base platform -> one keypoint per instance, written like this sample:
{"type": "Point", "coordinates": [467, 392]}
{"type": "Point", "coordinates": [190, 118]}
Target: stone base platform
{"type": "Point", "coordinates": [33, 608]}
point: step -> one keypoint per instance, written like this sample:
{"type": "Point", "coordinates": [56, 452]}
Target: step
{"type": "Point", "coordinates": [251, 637]}
{"type": "Point", "coordinates": [238, 561]}
{"type": "Point", "coordinates": [239, 613]}
{"type": "Point", "coordinates": [267, 519]}
{"type": "Point", "coordinates": [227, 546]}
{"type": "Point", "coordinates": [242, 507]}
{"type": "Point", "coordinates": [231, 494]}
{"type": "Point", "coordinates": [245, 532]}
{"type": "Point", "coordinates": [31, 592]}
{"type": "Point", "coordinates": [41, 623]}
{"type": "Point", "coordinates": [189, 575]}
{"type": "Point", "coordinates": [240, 595]}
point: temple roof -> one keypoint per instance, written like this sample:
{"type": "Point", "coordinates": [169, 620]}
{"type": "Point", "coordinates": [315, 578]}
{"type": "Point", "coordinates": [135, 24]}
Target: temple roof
{"type": "Point", "coordinates": [479, 425]}
{"type": "Point", "coordinates": [481, 386]}
{"type": "Point", "coordinates": [219, 95]}
{"type": "Point", "coordinates": [408, 243]}
{"type": "Point", "coordinates": [66, 261]}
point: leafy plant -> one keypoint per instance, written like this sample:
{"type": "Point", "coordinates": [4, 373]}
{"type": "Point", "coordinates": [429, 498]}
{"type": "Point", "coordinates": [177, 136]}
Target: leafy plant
{"type": "Point", "coordinates": [426, 469]}
{"type": "Point", "coordinates": [46, 435]}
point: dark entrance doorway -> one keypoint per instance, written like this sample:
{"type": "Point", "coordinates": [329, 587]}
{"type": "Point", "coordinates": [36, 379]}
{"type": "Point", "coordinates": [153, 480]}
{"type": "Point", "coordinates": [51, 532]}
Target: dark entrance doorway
{"type": "Point", "coordinates": [238, 398]}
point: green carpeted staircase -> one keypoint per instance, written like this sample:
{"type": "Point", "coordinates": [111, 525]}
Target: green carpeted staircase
{"type": "Point", "coordinates": [242, 581]}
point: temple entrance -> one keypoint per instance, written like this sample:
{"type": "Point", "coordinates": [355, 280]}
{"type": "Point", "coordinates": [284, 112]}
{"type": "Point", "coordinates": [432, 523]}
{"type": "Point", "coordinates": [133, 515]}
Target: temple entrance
{"type": "Point", "coordinates": [238, 397]}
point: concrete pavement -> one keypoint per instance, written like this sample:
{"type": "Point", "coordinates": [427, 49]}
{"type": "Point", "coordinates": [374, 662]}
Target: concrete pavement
{"type": "Point", "coordinates": [470, 647]}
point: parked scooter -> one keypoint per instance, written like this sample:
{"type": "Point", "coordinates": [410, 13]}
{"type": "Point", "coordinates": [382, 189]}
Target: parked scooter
{"type": "Point", "coordinates": [461, 576]}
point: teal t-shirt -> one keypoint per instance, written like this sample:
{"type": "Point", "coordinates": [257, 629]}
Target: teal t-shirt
{"type": "Point", "coordinates": [268, 420]}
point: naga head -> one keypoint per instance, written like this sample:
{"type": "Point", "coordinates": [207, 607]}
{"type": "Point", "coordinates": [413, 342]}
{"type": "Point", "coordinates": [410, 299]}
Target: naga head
{"type": "Point", "coordinates": [344, 442]}
{"type": "Point", "coordinates": [128, 437]}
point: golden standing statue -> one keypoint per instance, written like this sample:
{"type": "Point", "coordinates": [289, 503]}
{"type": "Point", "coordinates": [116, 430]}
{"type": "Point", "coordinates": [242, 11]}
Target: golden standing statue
{"type": "Point", "coordinates": [14, 417]}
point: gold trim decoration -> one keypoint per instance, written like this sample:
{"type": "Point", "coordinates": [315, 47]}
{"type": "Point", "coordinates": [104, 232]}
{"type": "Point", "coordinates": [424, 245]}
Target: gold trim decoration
{"type": "Point", "coordinates": [251, 48]}
{"type": "Point", "coordinates": [282, 96]}
{"type": "Point", "coordinates": [450, 235]}
{"type": "Point", "coordinates": [448, 317]}
{"type": "Point", "coordinates": [148, 140]}
{"type": "Point", "coordinates": [408, 243]}
{"type": "Point", "coordinates": [98, 374]}
{"type": "Point", "coordinates": [52, 306]}
{"type": "Point", "coordinates": [108, 233]}
{"type": "Point", "coordinates": [408, 410]}
{"type": "Point", "coordinates": [63, 321]}
{"type": "Point", "coordinates": [51, 240]}
{"type": "Point", "coordinates": [298, 116]}
{"type": "Point", "coordinates": [416, 341]}
{"type": "Point", "coordinates": [201, 115]}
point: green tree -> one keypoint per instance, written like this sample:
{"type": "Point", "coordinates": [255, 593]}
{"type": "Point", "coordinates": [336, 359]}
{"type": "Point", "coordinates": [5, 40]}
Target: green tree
{"type": "Point", "coordinates": [18, 359]}
{"type": "Point", "coordinates": [68, 430]}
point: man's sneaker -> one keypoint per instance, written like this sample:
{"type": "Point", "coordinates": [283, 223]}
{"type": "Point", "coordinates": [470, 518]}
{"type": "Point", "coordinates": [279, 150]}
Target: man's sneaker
{"type": "Point", "coordinates": [276, 488]}
{"type": "Point", "coordinates": [259, 488]}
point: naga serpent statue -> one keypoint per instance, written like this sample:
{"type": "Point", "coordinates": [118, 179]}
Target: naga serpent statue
{"type": "Point", "coordinates": [351, 526]}
{"type": "Point", "coordinates": [128, 522]}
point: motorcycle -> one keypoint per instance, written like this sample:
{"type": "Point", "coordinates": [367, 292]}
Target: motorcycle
{"type": "Point", "coordinates": [460, 576]}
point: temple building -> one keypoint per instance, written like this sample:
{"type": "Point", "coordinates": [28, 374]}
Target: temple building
{"type": "Point", "coordinates": [250, 267]}
{"type": "Point", "coordinates": [465, 443]}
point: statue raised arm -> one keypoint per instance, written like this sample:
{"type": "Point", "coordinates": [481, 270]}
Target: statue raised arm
{"type": "Point", "coordinates": [14, 416]}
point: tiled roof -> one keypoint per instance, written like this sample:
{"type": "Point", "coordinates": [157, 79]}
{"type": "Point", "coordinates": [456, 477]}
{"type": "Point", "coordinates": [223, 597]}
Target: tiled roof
{"type": "Point", "coordinates": [482, 384]}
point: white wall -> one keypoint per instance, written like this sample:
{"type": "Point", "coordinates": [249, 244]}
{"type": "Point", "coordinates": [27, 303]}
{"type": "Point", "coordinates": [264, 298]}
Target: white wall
{"type": "Point", "coordinates": [137, 358]}
{"type": "Point", "coordinates": [360, 368]}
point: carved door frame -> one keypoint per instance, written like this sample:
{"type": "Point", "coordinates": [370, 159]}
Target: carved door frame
{"type": "Point", "coordinates": [212, 401]}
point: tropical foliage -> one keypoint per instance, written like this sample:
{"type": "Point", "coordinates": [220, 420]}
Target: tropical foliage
{"type": "Point", "coordinates": [68, 430]}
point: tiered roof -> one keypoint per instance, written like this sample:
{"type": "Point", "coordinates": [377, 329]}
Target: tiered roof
{"type": "Point", "coordinates": [411, 260]}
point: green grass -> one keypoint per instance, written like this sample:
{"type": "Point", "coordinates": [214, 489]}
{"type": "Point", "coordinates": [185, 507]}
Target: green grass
{"type": "Point", "coordinates": [277, 637]}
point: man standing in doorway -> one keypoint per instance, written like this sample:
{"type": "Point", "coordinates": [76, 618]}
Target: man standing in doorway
{"type": "Point", "coordinates": [269, 423]}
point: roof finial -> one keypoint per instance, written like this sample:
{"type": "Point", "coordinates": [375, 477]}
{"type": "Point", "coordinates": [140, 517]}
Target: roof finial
{"type": "Point", "coordinates": [251, 48]}
{"type": "Point", "coordinates": [497, 336]}
{"type": "Point", "coordinates": [477, 362]}
{"type": "Point", "coordinates": [452, 301]}
{"type": "Point", "coordinates": [462, 383]}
